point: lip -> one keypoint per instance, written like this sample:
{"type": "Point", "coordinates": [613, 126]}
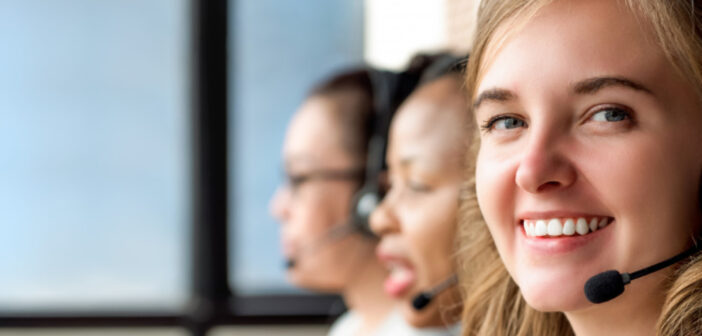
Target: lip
{"type": "Point", "coordinates": [555, 214]}
{"type": "Point", "coordinates": [393, 286]}
{"type": "Point", "coordinates": [388, 258]}
{"type": "Point", "coordinates": [287, 248]}
{"type": "Point", "coordinates": [561, 244]}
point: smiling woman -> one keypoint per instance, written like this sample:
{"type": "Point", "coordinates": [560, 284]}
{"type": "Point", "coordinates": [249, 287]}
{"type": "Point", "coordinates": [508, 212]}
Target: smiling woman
{"type": "Point", "coordinates": [588, 161]}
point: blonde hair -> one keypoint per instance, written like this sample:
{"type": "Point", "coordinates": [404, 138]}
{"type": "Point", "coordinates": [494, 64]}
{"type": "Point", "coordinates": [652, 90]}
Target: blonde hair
{"type": "Point", "coordinates": [493, 304]}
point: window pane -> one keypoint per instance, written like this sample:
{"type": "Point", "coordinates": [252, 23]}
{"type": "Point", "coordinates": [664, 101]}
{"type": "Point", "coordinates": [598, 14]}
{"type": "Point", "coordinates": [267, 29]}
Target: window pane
{"type": "Point", "coordinates": [94, 154]}
{"type": "Point", "coordinates": [281, 48]}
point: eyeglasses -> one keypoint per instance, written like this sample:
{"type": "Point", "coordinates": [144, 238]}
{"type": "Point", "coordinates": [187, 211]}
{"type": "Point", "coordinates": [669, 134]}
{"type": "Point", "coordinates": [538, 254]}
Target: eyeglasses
{"type": "Point", "coordinates": [296, 181]}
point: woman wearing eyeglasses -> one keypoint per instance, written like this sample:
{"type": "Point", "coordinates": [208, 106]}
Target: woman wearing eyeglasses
{"type": "Point", "coordinates": [325, 156]}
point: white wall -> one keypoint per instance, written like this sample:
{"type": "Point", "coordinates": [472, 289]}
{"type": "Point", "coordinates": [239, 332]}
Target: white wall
{"type": "Point", "coordinates": [397, 29]}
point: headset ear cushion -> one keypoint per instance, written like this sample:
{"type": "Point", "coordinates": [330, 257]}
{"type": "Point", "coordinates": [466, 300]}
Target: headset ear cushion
{"type": "Point", "coordinates": [365, 201]}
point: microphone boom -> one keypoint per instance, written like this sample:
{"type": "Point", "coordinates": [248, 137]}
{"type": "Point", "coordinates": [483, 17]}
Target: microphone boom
{"type": "Point", "coordinates": [610, 284]}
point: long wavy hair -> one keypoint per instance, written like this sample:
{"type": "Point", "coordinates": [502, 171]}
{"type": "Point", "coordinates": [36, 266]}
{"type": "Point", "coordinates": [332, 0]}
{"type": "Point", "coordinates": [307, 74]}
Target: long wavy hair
{"type": "Point", "coordinates": [493, 303]}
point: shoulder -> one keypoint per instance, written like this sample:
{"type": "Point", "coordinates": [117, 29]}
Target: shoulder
{"type": "Point", "coordinates": [346, 324]}
{"type": "Point", "coordinates": [395, 324]}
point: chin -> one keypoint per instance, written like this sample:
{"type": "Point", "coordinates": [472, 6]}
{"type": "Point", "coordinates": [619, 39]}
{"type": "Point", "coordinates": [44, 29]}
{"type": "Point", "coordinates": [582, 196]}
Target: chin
{"type": "Point", "coordinates": [413, 317]}
{"type": "Point", "coordinates": [554, 297]}
{"type": "Point", "coordinates": [302, 280]}
{"type": "Point", "coordinates": [296, 280]}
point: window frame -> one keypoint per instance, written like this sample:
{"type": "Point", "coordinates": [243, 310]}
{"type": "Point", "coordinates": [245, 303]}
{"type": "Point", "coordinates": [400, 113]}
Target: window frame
{"type": "Point", "coordinates": [212, 303]}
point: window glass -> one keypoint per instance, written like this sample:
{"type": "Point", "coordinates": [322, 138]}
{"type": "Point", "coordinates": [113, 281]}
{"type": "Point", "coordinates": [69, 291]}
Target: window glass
{"type": "Point", "coordinates": [279, 50]}
{"type": "Point", "coordinates": [94, 154]}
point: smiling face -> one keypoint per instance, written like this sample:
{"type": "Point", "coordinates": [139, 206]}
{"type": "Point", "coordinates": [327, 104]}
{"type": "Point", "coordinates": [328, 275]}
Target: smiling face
{"type": "Point", "coordinates": [590, 157]}
{"type": "Point", "coordinates": [417, 218]}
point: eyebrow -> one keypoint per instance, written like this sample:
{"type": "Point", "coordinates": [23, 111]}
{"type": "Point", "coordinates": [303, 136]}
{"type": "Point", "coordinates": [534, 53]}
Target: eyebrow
{"type": "Point", "coordinates": [587, 86]}
{"type": "Point", "coordinates": [593, 85]}
{"type": "Point", "coordinates": [298, 160]}
{"type": "Point", "coordinates": [496, 95]}
{"type": "Point", "coordinates": [406, 161]}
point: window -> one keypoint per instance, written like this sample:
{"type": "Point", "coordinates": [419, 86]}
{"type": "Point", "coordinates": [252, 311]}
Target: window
{"type": "Point", "coordinates": [280, 50]}
{"type": "Point", "coordinates": [109, 117]}
{"type": "Point", "coordinates": [94, 155]}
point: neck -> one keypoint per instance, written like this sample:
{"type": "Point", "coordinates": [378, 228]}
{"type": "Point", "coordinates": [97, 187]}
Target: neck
{"type": "Point", "coordinates": [365, 296]}
{"type": "Point", "coordinates": [635, 312]}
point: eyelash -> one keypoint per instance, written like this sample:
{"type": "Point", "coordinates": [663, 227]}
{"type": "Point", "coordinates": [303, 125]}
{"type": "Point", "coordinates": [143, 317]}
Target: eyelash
{"type": "Point", "coordinates": [486, 127]}
{"type": "Point", "coordinates": [411, 185]}
{"type": "Point", "coordinates": [628, 114]}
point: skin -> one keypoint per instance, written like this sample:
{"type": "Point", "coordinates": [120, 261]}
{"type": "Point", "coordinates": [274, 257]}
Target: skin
{"type": "Point", "coordinates": [554, 152]}
{"type": "Point", "coordinates": [345, 265]}
{"type": "Point", "coordinates": [417, 218]}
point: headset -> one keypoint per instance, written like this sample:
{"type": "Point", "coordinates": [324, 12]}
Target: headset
{"type": "Point", "coordinates": [389, 90]}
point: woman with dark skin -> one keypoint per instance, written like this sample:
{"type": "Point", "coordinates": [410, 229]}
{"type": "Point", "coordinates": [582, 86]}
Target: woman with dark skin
{"type": "Point", "coordinates": [417, 218]}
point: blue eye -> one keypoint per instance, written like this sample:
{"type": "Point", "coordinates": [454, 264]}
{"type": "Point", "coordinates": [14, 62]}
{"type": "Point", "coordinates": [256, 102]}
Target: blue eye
{"type": "Point", "coordinates": [611, 114]}
{"type": "Point", "coordinates": [503, 123]}
{"type": "Point", "coordinates": [508, 123]}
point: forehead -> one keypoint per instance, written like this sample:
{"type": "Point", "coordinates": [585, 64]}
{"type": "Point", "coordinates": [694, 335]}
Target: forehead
{"type": "Point", "coordinates": [567, 41]}
{"type": "Point", "coordinates": [431, 122]}
{"type": "Point", "coordinates": [313, 135]}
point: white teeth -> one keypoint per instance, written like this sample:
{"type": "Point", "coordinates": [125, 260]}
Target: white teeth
{"type": "Point", "coordinates": [603, 222]}
{"type": "Point", "coordinates": [593, 224]}
{"type": "Point", "coordinates": [581, 226]}
{"type": "Point", "coordinates": [540, 229]}
{"type": "Point", "coordinates": [569, 227]}
{"type": "Point", "coordinates": [555, 227]}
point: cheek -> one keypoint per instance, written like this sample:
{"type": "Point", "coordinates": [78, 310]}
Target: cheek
{"type": "Point", "coordinates": [309, 220]}
{"type": "Point", "coordinates": [429, 230]}
{"type": "Point", "coordinates": [496, 191]}
{"type": "Point", "coordinates": [327, 207]}
{"type": "Point", "coordinates": [650, 190]}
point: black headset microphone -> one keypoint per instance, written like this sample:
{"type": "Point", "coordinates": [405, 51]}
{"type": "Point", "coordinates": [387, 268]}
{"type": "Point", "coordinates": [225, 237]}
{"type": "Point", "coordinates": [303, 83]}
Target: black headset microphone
{"type": "Point", "coordinates": [389, 90]}
{"type": "Point", "coordinates": [443, 65]}
{"type": "Point", "coordinates": [610, 284]}
{"type": "Point", "coordinates": [423, 299]}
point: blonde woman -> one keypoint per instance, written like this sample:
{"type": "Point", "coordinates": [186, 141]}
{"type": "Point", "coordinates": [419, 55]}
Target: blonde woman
{"type": "Point", "coordinates": [589, 160]}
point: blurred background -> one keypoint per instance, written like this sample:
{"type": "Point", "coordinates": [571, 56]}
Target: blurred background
{"type": "Point", "coordinates": [140, 143]}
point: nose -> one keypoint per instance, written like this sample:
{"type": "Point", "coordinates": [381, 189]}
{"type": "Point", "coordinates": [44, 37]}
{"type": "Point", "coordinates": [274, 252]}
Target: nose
{"type": "Point", "coordinates": [383, 219]}
{"type": "Point", "coordinates": [544, 166]}
{"type": "Point", "coordinates": [279, 205]}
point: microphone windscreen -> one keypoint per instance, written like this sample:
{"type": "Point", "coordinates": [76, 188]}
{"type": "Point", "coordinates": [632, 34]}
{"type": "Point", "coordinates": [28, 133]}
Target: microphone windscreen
{"type": "Point", "coordinates": [604, 286]}
{"type": "Point", "coordinates": [289, 263]}
{"type": "Point", "coordinates": [420, 301]}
